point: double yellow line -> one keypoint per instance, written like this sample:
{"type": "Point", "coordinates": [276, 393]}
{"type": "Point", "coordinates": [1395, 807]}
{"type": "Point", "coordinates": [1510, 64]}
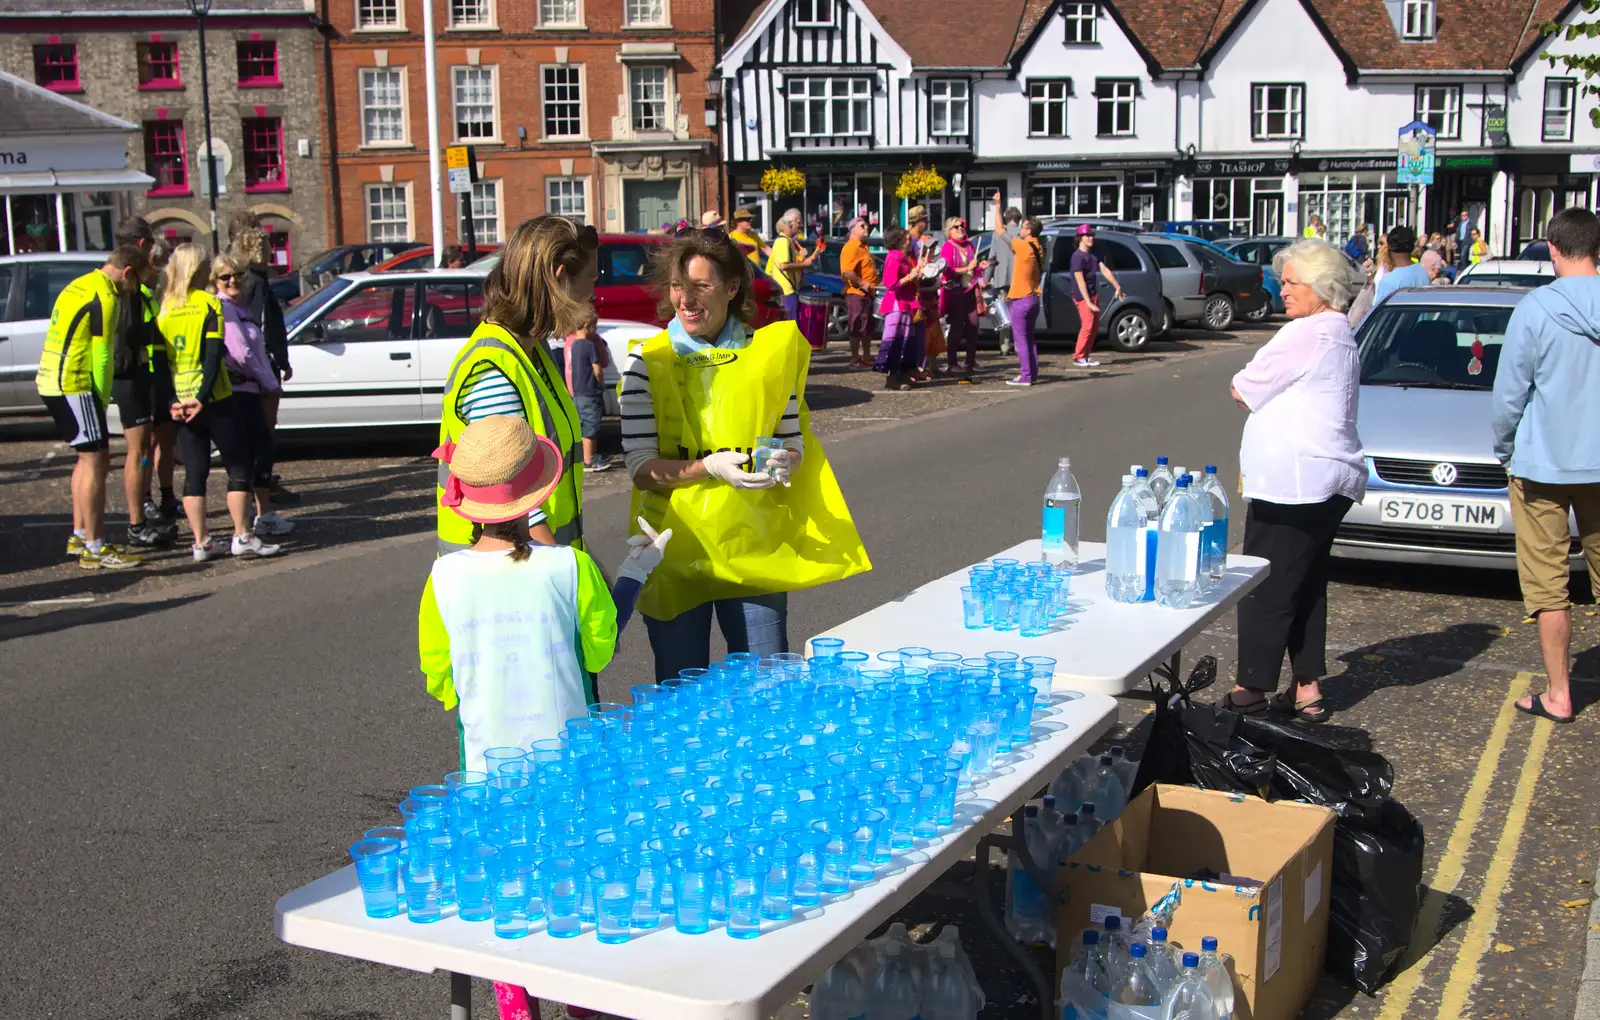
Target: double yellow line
{"type": "Point", "coordinates": [1452, 866]}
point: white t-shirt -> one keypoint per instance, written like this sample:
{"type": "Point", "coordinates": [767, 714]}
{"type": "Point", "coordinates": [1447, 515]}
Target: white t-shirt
{"type": "Point", "coordinates": [1300, 444]}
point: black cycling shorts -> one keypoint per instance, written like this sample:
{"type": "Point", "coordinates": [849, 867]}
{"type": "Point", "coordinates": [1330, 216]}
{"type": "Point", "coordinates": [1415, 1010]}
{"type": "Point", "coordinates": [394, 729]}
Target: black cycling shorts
{"type": "Point", "coordinates": [144, 396]}
{"type": "Point", "coordinates": [80, 421]}
{"type": "Point", "coordinates": [219, 423]}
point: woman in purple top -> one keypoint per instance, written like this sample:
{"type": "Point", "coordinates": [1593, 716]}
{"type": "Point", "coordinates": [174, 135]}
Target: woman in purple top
{"type": "Point", "coordinates": [1086, 269]}
{"type": "Point", "coordinates": [251, 373]}
{"type": "Point", "coordinates": [900, 354]}
{"type": "Point", "coordinates": [959, 302]}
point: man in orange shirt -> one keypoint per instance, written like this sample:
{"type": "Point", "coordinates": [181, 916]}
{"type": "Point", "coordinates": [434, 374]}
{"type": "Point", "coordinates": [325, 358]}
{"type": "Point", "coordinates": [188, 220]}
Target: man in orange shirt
{"type": "Point", "coordinates": [860, 272]}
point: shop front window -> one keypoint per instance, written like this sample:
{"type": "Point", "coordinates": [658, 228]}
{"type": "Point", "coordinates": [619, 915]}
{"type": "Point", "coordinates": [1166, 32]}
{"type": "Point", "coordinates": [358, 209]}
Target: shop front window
{"type": "Point", "coordinates": [1092, 195]}
{"type": "Point", "coordinates": [1343, 202]}
{"type": "Point", "coordinates": [1247, 205]}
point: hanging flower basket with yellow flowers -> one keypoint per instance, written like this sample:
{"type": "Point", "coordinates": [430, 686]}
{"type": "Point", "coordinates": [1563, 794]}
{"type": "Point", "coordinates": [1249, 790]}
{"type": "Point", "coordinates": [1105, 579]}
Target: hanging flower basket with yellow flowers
{"type": "Point", "coordinates": [782, 181]}
{"type": "Point", "coordinates": [920, 182]}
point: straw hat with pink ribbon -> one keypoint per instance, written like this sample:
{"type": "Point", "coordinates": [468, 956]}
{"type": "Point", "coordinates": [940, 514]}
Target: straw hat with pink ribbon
{"type": "Point", "coordinates": [500, 469]}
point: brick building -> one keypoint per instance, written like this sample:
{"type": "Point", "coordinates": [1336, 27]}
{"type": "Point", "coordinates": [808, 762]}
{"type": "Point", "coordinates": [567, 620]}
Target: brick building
{"type": "Point", "coordinates": [144, 68]}
{"type": "Point", "coordinates": [595, 109]}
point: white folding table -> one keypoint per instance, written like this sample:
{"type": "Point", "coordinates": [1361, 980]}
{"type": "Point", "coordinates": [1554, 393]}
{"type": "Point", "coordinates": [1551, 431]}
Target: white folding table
{"type": "Point", "coordinates": [664, 973]}
{"type": "Point", "coordinates": [1101, 646]}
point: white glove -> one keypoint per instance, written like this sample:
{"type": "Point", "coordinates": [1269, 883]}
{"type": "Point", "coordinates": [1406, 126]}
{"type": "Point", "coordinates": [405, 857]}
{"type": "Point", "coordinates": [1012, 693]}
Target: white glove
{"type": "Point", "coordinates": [644, 553]}
{"type": "Point", "coordinates": [727, 465]}
{"type": "Point", "coordinates": [780, 463]}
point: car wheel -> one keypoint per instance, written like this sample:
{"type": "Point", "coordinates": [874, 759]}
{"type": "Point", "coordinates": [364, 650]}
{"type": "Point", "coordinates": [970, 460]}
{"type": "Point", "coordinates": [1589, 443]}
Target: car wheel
{"type": "Point", "coordinates": [838, 321]}
{"type": "Point", "coordinates": [1130, 330]}
{"type": "Point", "coordinates": [1259, 314]}
{"type": "Point", "coordinates": [1219, 312]}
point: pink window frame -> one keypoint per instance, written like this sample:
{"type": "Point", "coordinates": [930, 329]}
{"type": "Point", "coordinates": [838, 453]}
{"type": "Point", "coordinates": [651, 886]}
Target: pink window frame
{"type": "Point", "coordinates": [168, 190]}
{"type": "Point", "coordinates": [259, 81]}
{"type": "Point", "coordinates": [272, 230]}
{"type": "Point", "coordinates": [282, 183]}
{"type": "Point", "coordinates": [164, 84]}
{"type": "Point", "coordinates": [75, 84]}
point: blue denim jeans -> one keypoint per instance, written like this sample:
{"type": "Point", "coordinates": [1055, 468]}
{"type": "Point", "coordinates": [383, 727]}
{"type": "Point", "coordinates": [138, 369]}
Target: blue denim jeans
{"type": "Point", "coordinates": [758, 624]}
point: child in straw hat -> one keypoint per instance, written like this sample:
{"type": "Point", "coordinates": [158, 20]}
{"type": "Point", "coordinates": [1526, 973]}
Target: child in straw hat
{"type": "Point", "coordinates": [511, 630]}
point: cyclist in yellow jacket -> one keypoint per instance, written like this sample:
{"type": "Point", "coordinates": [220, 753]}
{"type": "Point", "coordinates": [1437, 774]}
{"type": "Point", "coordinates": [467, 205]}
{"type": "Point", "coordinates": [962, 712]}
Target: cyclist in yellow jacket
{"type": "Point", "coordinates": [74, 378]}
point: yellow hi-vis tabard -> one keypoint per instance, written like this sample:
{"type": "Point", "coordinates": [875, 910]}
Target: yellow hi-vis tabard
{"type": "Point", "coordinates": [548, 409]}
{"type": "Point", "coordinates": [728, 542]}
{"type": "Point", "coordinates": [188, 329]}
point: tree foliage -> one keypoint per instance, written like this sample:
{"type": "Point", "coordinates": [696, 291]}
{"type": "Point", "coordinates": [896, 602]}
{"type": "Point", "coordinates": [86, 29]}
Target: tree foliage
{"type": "Point", "coordinates": [1585, 64]}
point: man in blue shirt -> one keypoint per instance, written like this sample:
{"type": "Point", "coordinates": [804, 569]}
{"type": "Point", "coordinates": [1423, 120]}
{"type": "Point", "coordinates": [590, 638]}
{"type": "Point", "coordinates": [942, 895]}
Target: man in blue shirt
{"type": "Point", "coordinates": [1547, 433]}
{"type": "Point", "coordinates": [1407, 273]}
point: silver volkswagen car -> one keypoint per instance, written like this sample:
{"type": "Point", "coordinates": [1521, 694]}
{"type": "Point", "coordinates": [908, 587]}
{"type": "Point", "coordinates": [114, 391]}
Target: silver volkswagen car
{"type": "Point", "coordinates": [1435, 492]}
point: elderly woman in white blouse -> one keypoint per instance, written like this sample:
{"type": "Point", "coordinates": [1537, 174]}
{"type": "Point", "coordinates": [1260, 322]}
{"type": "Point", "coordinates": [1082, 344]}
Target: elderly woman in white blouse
{"type": "Point", "coordinates": [1302, 469]}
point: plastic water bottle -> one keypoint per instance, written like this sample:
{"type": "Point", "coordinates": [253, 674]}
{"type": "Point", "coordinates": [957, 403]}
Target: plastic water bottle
{"type": "Point", "coordinates": [1067, 788]}
{"type": "Point", "coordinates": [1190, 998]}
{"type": "Point", "coordinates": [1127, 768]}
{"type": "Point", "coordinates": [894, 994]}
{"type": "Point", "coordinates": [840, 994]}
{"type": "Point", "coordinates": [1178, 555]}
{"type": "Point", "coordinates": [1085, 985]}
{"type": "Point", "coordinates": [950, 935]}
{"type": "Point", "coordinates": [1106, 791]}
{"type": "Point", "coordinates": [1152, 521]}
{"type": "Point", "coordinates": [1062, 502]}
{"type": "Point", "coordinates": [1215, 537]}
{"type": "Point", "coordinates": [947, 996]}
{"type": "Point", "coordinates": [1163, 960]}
{"type": "Point", "coordinates": [1215, 972]}
{"type": "Point", "coordinates": [1089, 822]}
{"type": "Point", "coordinates": [1135, 988]}
{"type": "Point", "coordinates": [1027, 909]}
{"type": "Point", "coordinates": [1126, 545]}
{"type": "Point", "coordinates": [1161, 480]}
{"type": "Point", "coordinates": [1071, 838]}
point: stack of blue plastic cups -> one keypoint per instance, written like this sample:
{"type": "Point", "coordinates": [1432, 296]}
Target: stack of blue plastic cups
{"type": "Point", "coordinates": [740, 796]}
{"type": "Point", "coordinates": [1009, 596]}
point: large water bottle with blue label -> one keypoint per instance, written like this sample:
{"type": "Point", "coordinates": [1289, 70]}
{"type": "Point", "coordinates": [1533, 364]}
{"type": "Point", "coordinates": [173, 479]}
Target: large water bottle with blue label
{"type": "Point", "coordinates": [1060, 518]}
{"type": "Point", "coordinates": [1161, 480]}
{"type": "Point", "coordinates": [1178, 555]}
{"type": "Point", "coordinates": [1151, 505]}
{"type": "Point", "coordinates": [1215, 537]}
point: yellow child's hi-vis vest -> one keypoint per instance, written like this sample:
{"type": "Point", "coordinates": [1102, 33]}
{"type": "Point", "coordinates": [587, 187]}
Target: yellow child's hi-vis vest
{"type": "Point", "coordinates": [728, 542]}
{"type": "Point", "coordinates": [77, 346]}
{"type": "Point", "coordinates": [548, 409]}
{"type": "Point", "coordinates": [190, 329]}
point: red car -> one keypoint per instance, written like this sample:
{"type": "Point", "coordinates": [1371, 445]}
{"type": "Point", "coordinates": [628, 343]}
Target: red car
{"type": "Point", "coordinates": [623, 289]}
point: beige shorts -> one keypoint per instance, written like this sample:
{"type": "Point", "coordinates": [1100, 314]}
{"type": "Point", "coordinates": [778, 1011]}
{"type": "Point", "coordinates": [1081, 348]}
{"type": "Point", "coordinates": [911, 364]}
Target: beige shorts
{"type": "Point", "coordinates": [1539, 512]}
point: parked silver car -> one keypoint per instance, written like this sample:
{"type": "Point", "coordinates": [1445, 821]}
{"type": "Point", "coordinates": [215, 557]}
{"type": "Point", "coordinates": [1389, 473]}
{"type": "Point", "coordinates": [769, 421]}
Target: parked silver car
{"type": "Point", "coordinates": [1435, 492]}
{"type": "Point", "coordinates": [29, 286]}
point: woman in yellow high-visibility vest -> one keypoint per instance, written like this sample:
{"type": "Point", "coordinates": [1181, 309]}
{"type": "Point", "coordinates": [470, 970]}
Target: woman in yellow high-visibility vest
{"type": "Point", "coordinates": [698, 399]}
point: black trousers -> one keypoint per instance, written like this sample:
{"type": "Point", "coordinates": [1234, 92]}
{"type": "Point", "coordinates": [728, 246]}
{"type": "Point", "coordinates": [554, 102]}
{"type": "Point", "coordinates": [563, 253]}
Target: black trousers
{"type": "Point", "coordinates": [218, 422]}
{"type": "Point", "coordinates": [258, 436]}
{"type": "Point", "coordinates": [1289, 610]}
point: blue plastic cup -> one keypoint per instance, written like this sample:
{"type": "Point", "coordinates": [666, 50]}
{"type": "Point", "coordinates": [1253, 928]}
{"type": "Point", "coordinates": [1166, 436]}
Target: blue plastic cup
{"type": "Point", "coordinates": [777, 902]}
{"type": "Point", "coordinates": [398, 834]}
{"type": "Point", "coordinates": [827, 647]}
{"type": "Point", "coordinates": [377, 864]}
{"type": "Point", "coordinates": [616, 887]}
{"type": "Point", "coordinates": [424, 888]}
{"type": "Point", "coordinates": [694, 881]}
{"type": "Point", "coordinates": [477, 872]}
{"type": "Point", "coordinates": [494, 757]}
{"type": "Point", "coordinates": [900, 805]}
{"type": "Point", "coordinates": [547, 751]}
{"type": "Point", "coordinates": [563, 889]}
{"type": "Point", "coordinates": [836, 854]}
{"type": "Point", "coordinates": [512, 889]}
{"type": "Point", "coordinates": [745, 881]}
{"type": "Point", "coordinates": [807, 890]}
{"type": "Point", "coordinates": [457, 780]}
{"type": "Point", "coordinates": [1032, 620]}
{"type": "Point", "coordinates": [653, 878]}
{"type": "Point", "coordinates": [1005, 609]}
{"type": "Point", "coordinates": [866, 830]}
{"type": "Point", "coordinates": [972, 608]}
{"type": "Point", "coordinates": [1000, 658]}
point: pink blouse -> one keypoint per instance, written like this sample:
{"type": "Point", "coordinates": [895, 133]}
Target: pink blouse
{"type": "Point", "coordinates": [896, 297]}
{"type": "Point", "coordinates": [958, 256]}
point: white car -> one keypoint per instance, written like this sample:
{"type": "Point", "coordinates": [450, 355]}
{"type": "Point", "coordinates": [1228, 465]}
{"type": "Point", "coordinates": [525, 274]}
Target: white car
{"type": "Point", "coordinates": [29, 286]}
{"type": "Point", "coordinates": [1508, 273]}
{"type": "Point", "coordinates": [375, 349]}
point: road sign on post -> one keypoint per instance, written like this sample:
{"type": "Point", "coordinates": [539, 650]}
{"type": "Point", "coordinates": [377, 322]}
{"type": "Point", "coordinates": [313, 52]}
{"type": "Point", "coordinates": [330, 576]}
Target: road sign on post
{"type": "Point", "coordinates": [1416, 153]}
{"type": "Point", "coordinates": [462, 168]}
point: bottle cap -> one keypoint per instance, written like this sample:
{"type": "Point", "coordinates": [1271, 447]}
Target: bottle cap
{"type": "Point", "coordinates": [1049, 801]}
{"type": "Point", "coordinates": [1180, 471]}
{"type": "Point", "coordinates": [1136, 467]}
{"type": "Point", "coordinates": [1158, 934]}
{"type": "Point", "coordinates": [1071, 818]}
{"type": "Point", "coordinates": [1182, 482]}
{"type": "Point", "coordinates": [1191, 959]}
{"type": "Point", "coordinates": [1091, 937]}
{"type": "Point", "coordinates": [1141, 473]}
{"type": "Point", "coordinates": [1137, 950]}
{"type": "Point", "coordinates": [1106, 759]}
{"type": "Point", "coordinates": [1113, 922]}
{"type": "Point", "coordinates": [1086, 808]}
{"type": "Point", "coordinates": [1031, 811]}
{"type": "Point", "coordinates": [1211, 469]}
{"type": "Point", "coordinates": [1064, 462]}
{"type": "Point", "coordinates": [1208, 944]}
{"type": "Point", "coordinates": [1160, 461]}
{"type": "Point", "coordinates": [1127, 480]}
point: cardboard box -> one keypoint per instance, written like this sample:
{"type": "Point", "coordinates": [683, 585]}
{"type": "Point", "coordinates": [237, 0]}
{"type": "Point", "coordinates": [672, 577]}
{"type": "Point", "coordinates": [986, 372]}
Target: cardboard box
{"type": "Point", "coordinates": [1276, 932]}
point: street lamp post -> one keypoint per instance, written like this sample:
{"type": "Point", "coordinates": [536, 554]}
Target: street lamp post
{"type": "Point", "coordinates": [200, 8]}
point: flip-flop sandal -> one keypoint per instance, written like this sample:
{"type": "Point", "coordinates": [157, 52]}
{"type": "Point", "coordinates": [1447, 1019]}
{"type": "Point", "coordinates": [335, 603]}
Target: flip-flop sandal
{"type": "Point", "coordinates": [1312, 711]}
{"type": "Point", "coordinates": [1539, 711]}
{"type": "Point", "coordinates": [1231, 703]}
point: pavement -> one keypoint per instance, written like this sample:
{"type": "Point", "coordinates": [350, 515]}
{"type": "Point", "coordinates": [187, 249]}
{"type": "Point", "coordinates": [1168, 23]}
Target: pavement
{"type": "Point", "coordinates": [184, 750]}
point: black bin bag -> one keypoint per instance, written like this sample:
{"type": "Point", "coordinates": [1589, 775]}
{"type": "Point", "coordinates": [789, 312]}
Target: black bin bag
{"type": "Point", "coordinates": [1377, 843]}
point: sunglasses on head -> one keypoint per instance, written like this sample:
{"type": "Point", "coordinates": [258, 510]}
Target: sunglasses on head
{"type": "Point", "coordinates": [713, 234]}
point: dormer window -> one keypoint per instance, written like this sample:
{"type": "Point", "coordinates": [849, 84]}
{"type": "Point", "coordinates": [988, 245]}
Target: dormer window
{"type": "Point", "coordinates": [814, 13]}
{"type": "Point", "coordinates": [1417, 20]}
{"type": "Point", "coordinates": [1080, 19]}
